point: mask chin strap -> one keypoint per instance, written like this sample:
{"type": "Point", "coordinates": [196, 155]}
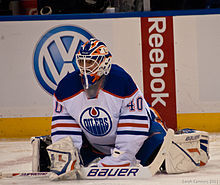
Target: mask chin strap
{"type": "Point", "coordinates": [85, 75]}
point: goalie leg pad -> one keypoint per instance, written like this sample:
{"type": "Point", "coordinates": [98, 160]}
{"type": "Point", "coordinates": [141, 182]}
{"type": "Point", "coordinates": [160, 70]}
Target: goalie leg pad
{"type": "Point", "coordinates": [187, 152]}
{"type": "Point", "coordinates": [65, 161]}
{"type": "Point", "coordinates": [40, 157]}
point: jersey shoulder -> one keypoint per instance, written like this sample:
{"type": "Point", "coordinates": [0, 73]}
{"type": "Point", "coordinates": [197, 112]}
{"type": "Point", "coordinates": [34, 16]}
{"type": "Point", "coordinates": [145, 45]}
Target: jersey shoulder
{"type": "Point", "coordinates": [69, 86]}
{"type": "Point", "coordinates": [119, 82]}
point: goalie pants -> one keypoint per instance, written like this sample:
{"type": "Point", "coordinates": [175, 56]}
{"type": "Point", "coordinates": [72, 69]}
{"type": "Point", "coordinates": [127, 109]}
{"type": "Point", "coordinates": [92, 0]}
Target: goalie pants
{"type": "Point", "coordinates": [146, 154]}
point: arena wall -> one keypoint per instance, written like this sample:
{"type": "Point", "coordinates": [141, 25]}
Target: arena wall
{"type": "Point", "coordinates": [197, 71]}
{"type": "Point", "coordinates": [192, 83]}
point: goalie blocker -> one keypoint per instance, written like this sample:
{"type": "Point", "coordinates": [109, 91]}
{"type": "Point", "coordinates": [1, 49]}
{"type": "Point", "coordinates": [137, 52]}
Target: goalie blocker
{"type": "Point", "coordinates": [188, 151]}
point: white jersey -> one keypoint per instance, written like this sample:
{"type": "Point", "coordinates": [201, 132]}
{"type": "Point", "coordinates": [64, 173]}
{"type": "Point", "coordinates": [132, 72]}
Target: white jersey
{"type": "Point", "coordinates": [117, 118]}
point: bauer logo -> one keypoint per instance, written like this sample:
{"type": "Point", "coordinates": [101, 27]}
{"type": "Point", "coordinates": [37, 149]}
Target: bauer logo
{"type": "Point", "coordinates": [96, 121]}
{"type": "Point", "coordinates": [54, 55]}
{"type": "Point", "coordinates": [112, 172]}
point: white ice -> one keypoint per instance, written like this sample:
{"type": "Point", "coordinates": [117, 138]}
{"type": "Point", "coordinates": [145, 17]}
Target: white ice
{"type": "Point", "coordinates": [16, 156]}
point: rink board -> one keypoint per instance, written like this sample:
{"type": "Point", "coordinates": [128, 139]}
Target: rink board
{"type": "Point", "coordinates": [187, 91]}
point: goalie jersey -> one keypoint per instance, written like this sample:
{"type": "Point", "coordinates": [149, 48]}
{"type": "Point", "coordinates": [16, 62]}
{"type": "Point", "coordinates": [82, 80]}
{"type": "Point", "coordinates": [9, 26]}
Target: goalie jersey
{"type": "Point", "coordinates": [117, 118]}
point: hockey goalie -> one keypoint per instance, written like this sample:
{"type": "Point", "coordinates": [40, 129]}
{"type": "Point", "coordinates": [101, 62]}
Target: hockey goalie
{"type": "Point", "coordinates": [102, 121]}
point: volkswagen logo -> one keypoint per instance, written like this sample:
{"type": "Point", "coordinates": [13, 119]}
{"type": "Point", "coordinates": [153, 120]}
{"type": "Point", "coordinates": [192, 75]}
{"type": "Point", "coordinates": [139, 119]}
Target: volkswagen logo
{"type": "Point", "coordinates": [54, 55]}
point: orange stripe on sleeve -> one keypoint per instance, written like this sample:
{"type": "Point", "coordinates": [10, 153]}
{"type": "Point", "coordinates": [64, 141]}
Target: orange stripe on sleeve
{"type": "Point", "coordinates": [65, 125]}
{"type": "Point", "coordinates": [133, 125]}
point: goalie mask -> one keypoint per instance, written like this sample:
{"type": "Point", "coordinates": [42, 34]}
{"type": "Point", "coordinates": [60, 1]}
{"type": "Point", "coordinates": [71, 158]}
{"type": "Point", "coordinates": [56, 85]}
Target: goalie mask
{"type": "Point", "coordinates": [93, 61]}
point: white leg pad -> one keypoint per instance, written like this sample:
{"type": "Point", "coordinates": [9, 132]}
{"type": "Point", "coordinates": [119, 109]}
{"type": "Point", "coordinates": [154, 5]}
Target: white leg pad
{"type": "Point", "coordinates": [65, 161]}
{"type": "Point", "coordinates": [187, 152]}
{"type": "Point", "coordinates": [36, 154]}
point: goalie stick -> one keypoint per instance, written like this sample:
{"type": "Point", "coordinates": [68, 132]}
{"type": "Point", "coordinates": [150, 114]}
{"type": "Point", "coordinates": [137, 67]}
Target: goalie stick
{"type": "Point", "coordinates": [24, 174]}
{"type": "Point", "coordinates": [113, 172]}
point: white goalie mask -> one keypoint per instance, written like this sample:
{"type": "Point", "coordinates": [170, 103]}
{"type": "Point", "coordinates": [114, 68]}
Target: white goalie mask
{"type": "Point", "coordinates": [93, 61]}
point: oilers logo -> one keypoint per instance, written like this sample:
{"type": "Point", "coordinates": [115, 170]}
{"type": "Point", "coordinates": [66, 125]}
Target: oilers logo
{"type": "Point", "coordinates": [54, 55]}
{"type": "Point", "coordinates": [96, 121]}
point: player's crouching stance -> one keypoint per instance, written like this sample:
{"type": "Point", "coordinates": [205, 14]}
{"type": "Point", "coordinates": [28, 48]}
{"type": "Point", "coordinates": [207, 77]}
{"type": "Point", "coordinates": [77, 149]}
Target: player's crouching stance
{"type": "Point", "coordinates": [100, 113]}
{"type": "Point", "coordinates": [186, 152]}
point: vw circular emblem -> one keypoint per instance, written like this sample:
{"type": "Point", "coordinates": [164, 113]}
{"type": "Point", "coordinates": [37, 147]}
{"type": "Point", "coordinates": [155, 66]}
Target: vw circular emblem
{"type": "Point", "coordinates": [96, 121]}
{"type": "Point", "coordinates": [54, 55]}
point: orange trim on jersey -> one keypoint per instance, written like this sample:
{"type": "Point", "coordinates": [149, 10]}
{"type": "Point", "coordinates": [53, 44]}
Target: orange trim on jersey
{"type": "Point", "coordinates": [158, 115]}
{"type": "Point", "coordinates": [69, 97]}
{"type": "Point", "coordinates": [159, 119]}
{"type": "Point", "coordinates": [133, 125]}
{"type": "Point", "coordinates": [65, 125]}
{"type": "Point", "coordinates": [118, 95]}
{"type": "Point", "coordinates": [193, 150]}
{"type": "Point", "coordinates": [120, 165]}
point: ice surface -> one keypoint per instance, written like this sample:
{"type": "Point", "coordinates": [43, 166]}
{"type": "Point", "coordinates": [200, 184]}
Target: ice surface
{"type": "Point", "coordinates": [16, 156]}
